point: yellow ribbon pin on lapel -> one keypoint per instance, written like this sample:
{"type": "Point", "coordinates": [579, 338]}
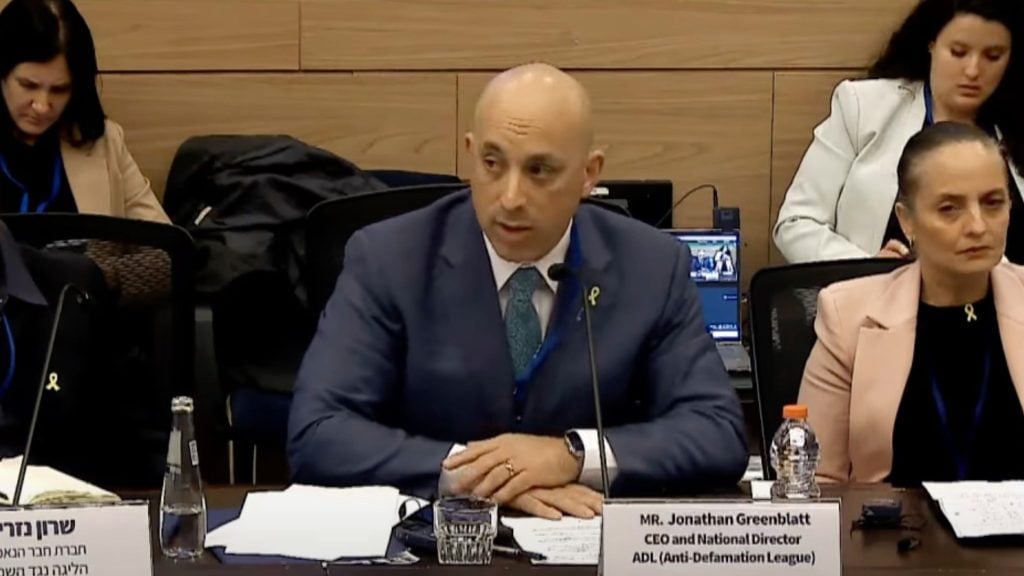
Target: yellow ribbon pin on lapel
{"type": "Point", "coordinates": [52, 384]}
{"type": "Point", "coordinates": [969, 310]}
{"type": "Point", "coordinates": [595, 292]}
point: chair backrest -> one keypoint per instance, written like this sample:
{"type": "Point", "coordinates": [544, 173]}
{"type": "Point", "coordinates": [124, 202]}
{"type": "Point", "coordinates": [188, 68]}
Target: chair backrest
{"type": "Point", "coordinates": [783, 305]}
{"type": "Point", "coordinates": [331, 223]}
{"type": "Point", "coordinates": [150, 269]}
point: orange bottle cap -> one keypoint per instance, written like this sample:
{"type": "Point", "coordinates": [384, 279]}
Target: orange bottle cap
{"type": "Point", "coordinates": [794, 412]}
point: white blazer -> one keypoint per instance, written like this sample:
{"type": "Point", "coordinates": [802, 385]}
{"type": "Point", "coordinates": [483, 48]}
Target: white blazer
{"type": "Point", "coordinates": [841, 198]}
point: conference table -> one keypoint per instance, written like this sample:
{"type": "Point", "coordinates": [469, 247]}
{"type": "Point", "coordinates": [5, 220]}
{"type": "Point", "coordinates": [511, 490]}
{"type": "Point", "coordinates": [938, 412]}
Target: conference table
{"type": "Point", "coordinates": [864, 552]}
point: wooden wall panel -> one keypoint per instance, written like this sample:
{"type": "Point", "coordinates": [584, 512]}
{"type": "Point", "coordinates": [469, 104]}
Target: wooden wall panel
{"type": "Point", "coordinates": [474, 34]}
{"type": "Point", "coordinates": [194, 34]}
{"type": "Point", "coordinates": [690, 127]}
{"type": "Point", "coordinates": [802, 101]}
{"type": "Point", "coordinates": [376, 120]}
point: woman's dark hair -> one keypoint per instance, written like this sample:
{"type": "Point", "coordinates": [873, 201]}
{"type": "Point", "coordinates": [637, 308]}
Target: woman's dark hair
{"type": "Point", "coordinates": [907, 56]}
{"type": "Point", "coordinates": [39, 31]}
{"type": "Point", "coordinates": [929, 140]}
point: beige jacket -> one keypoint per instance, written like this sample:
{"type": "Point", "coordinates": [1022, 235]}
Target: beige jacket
{"type": "Point", "coordinates": [105, 179]}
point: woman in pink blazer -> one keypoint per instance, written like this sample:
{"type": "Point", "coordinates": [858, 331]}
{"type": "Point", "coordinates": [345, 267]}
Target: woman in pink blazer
{"type": "Point", "coordinates": [918, 374]}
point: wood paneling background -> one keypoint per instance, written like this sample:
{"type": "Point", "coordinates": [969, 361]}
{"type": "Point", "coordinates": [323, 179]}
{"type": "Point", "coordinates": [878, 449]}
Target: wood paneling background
{"type": "Point", "coordinates": [719, 91]}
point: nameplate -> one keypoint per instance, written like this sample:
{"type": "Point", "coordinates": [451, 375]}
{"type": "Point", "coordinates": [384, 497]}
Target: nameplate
{"type": "Point", "coordinates": [712, 538]}
{"type": "Point", "coordinates": [101, 540]}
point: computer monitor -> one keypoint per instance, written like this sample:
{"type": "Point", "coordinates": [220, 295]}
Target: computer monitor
{"type": "Point", "coordinates": [715, 267]}
{"type": "Point", "coordinates": [645, 200]}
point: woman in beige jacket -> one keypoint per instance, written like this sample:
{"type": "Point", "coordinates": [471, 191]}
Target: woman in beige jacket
{"type": "Point", "coordinates": [918, 375]}
{"type": "Point", "coordinates": [58, 152]}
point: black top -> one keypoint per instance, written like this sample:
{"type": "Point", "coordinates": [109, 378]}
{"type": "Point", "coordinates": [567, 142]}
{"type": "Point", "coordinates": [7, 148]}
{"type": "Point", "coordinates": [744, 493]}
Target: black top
{"type": "Point", "coordinates": [32, 167]}
{"type": "Point", "coordinates": [952, 346]}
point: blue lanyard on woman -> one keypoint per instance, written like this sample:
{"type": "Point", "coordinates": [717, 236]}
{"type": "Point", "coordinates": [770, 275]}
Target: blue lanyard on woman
{"type": "Point", "coordinates": [962, 458]}
{"type": "Point", "coordinates": [58, 172]}
{"type": "Point", "coordinates": [9, 377]}
{"type": "Point", "coordinates": [929, 106]}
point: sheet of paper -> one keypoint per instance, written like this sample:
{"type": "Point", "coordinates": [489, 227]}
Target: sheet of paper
{"type": "Point", "coordinates": [44, 481]}
{"type": "Point", "coordinates": [754, 470]}
{"type": "Point", "coordinates": [761, 489]}
{"type": "Point", "coordinates": [314, 523]}
{"type": "Point", "coordinates": [569, 541]}
{"type": "Point", "coordinates": [942, 490]}
{"type": "Point", "coordinates": [977, 516]}
{"type": "Point", "coordinates": [979, 509]}
{"type": "Point", "coordinates": [223, 534]}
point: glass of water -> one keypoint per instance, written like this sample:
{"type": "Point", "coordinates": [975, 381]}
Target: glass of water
{"type": "Point", "coordinates": [465, 527]}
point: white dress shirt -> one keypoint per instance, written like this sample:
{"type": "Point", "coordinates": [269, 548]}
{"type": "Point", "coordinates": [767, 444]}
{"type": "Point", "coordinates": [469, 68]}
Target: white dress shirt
{"type": "Point", "coordinates": [544, 302]}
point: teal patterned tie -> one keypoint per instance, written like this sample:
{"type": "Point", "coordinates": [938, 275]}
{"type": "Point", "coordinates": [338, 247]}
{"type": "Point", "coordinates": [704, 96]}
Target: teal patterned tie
{"type": "Point", "coordinates": [522, 325]}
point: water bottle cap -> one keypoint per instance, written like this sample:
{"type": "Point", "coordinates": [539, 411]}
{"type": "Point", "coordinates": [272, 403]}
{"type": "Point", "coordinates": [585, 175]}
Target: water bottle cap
{"type": "Point", "coordinates": [181, 404]}
{"type": "Point", "coordinates": [794, 412]}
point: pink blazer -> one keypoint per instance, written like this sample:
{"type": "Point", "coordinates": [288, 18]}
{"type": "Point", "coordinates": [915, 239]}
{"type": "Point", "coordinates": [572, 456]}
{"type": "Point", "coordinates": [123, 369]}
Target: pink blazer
{"type": "Point", "coordinates": [854, 379]}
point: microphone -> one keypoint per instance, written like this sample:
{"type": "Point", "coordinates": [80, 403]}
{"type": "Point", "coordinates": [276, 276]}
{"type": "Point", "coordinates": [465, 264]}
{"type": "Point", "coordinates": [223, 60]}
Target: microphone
{"type": "Point", "coordinates": [558, 273]}
{"type": "Point", "coordinates": [81, 296]}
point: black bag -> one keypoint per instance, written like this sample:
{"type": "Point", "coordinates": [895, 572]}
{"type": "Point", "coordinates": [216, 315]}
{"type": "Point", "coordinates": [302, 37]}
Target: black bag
{"type": "Point", "coordinates": [244, 199]}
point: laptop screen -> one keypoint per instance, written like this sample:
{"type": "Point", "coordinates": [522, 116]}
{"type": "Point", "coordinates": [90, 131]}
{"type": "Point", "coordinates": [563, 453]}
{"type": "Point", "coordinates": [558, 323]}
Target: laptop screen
{"type": "Point", "coordinates": [714, 266]}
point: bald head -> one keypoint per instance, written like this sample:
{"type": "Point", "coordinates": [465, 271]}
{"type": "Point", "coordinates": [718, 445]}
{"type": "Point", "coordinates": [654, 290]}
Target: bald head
{"type": "Point", "coordinates": [532, 160]}
{"type": "Point", "coordinates": [537, 96]}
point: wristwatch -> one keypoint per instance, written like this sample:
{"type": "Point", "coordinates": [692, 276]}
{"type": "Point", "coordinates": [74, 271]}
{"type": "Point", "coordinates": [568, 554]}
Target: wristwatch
{"type": "Point", "coordinates": [574, 444]}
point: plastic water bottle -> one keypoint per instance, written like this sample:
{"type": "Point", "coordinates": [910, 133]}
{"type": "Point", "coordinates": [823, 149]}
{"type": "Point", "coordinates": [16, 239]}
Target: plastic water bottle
{"type": "Point", "coordinates": [182, 503]}
{"type": "Point", "coordinates": [794, 455]}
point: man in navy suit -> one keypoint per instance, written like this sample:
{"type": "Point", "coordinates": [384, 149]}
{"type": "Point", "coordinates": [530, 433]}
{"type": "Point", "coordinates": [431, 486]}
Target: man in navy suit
{"type": "Point", "coordinates": [447, 358]}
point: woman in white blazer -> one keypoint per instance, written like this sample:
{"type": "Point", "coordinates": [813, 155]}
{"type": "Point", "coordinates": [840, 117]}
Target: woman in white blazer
{"type": "Point", "coordinates": [949, 61]}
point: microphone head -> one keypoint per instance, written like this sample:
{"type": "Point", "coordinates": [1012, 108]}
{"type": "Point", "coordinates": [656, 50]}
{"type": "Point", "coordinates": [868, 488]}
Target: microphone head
{"type": "Point", "coordinates": [559, 272]}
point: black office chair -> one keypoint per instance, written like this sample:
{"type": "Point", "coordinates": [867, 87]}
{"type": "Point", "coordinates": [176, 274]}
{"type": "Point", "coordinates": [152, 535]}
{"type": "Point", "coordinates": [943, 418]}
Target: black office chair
{"type": "Point", "coordinates": [331, 223]}
{"type": "Point", "coordinates": [783, 305]}
{"type": "Point", "coordinates": [149, 269]}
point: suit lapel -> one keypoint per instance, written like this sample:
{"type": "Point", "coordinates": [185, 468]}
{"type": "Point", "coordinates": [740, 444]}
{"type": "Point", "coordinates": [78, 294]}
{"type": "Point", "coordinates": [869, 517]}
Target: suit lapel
{"type": "Point", "coordinates": [1006, 290]}
{"type": "Point", "coordinates": [885, 353]}
{"type": "Point", "coordinates": [88, 178]}
{"type": "Point", "coordinates": [905, 124]}
{"type": "Point", "coordinates": [592, 256]}
{"type": "Point", "coordinates": [1015, 172]}
{"type": "Point", "coordinates": [471, 311]}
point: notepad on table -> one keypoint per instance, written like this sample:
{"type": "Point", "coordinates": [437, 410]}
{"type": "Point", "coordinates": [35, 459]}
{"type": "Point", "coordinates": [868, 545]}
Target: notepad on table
{"type": "Point", "coordinates": [44, 485]}
{"type": "Point", "coordinates": [568, 541]}
{"type": "Point", "coordinates": [981, 509]}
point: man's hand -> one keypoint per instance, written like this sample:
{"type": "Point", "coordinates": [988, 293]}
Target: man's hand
{"type": "Point", "coordinates": [505, 467]}
{"type": "Point", "coordinates": [894, 249]}
{"type": "Point", "coordinates": [551, 503]}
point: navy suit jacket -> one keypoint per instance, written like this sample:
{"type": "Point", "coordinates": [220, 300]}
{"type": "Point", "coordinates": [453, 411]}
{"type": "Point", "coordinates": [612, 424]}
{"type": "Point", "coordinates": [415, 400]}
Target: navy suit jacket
{"type": "Point", "coordinates": [411, 356]}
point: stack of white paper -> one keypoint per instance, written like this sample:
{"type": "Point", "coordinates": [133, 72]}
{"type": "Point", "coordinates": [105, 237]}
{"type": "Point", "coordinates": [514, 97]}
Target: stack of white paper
{"type": "Point", "coordinates": [979, 509]}
{"type": "Point", "coordinates": [45, 485]}
{"type": "Point", "coordinates": [570, 541]}
{"type": "Point", "coordinates": [313, 523]}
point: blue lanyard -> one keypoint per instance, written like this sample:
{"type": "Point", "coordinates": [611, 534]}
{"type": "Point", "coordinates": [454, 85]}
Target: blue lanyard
{"type": "Point", "coordinates": [58, 170]}
{"type": "Point", "coordinates": [9, 377]}
{"type": "Point", "coordinates": [568, 292]}
{"type": "Point", "coordinates": [929, 107]}
{"type": "Point", "coordinates": [961, 459]}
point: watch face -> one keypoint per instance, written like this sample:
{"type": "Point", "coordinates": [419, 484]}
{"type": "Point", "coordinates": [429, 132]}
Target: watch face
{"type": "Point", "coordinates": [575, 445]}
